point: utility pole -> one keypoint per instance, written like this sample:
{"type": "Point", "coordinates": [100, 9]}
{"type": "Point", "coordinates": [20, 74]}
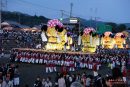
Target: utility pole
{"type": "Point", "coordinates": [3, 4]}
{"type": "Point", "coordinates": [71, 8]}
{"type": "Point", "coordinates": [1, 31]}
{"type": "Point", "coordinates": [0, 12]}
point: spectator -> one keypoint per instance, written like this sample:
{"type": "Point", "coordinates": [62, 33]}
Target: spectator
{"type": "Point", "coordinates": [38, 82]}
{"type": "Point", "coordinates": [68, 80]}
{"type": "Point", "coordinates": [7, 83]}
{"type": "Point", "coordinates": [88, 81]}
{"type": "Point", "coordinates": [2, 52]}
{"type": "Point", "coordinates": [98, 82]}
{"type": "Point", "coordinates": [16, 77]}
{"type": "Point", "coordinates": [48, 83]}
{"type": "Point", "coordinates": [76, 84]}
{"type": "Point", "coordinates": [43, 82]}
{"type": "Point", "coordinates": [26, 85]}
{"type": "Point", "coordinates": [61, 81]}
{"type": "Point", "coordinates": [56, 79]}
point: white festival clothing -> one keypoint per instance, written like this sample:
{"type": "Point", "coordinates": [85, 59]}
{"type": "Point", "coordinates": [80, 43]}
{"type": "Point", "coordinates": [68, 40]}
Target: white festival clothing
{"type": "Point", "coordinates": [79, 40]}
{"type": "Point", "coordinates": [16, 81]}
{"type": "Point", "coordinates": [43, 36]}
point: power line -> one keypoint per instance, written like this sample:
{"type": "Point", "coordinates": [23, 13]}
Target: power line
{"type": "Point", "coordinates": [53, 9]}
{"type": "Point", "coordinates": [33, 4]}
{"type": "Point", "coordinates": [29, 6]}
{"type": "Point", "coordinates": [38, 6]}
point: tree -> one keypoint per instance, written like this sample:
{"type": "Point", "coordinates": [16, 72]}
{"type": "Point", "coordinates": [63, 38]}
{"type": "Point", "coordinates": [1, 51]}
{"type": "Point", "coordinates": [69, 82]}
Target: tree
{"type": "Point", "coordinates": [114, 26]}
{"type": "Point", "coordinates": [24, 19]}
{"type": "Point", "coordinates": [121, 27]}
{"type": "Point", "coordinates": [129, 28]}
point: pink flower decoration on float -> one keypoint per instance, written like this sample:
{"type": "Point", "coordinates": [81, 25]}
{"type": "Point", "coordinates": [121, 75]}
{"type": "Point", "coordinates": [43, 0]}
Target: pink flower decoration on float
{"type": "Point", "coordinates": [107, 33]}
{"type": "Point", "coordinates": [119, 34]}
{"type": "Point", "coordinates": [88, 30]}
{"type": "Point", "coordinates": [54, 22]}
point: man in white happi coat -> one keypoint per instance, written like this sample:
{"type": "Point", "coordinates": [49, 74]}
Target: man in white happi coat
{"type": "Point", "coordinates": [26, 57]}
{"type": "Point", "coordinates": [44, 36]}
{"type": "Point", "coordinates": [48, 66]}
{"type": "Point", "coordinates": [33, 57]}
{"type": "Point", "coordinates": [59, 59]}
{"type": "Point", "coordinates": [41, 58]}
{"type": "Point", "coordinates": [90, 63]}
{"type": "Point", "coordinates": [37, 58]}
{"type": "Point", "coordinates": [72, 65]}
{"type": "Point", "coordinates": [23, 59]}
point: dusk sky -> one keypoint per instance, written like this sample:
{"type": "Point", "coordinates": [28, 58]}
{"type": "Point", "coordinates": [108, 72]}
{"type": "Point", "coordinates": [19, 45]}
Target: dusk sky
{"type": "Point", "coordinates": [106, 10]}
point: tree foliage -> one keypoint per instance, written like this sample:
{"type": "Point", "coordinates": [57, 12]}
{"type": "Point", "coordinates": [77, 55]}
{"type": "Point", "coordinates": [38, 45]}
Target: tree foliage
{"type": "Point", "coordinates": [114, 26]}
{"type": "Point", "coordinates": [121, 27]}
{"type": "Point", "coordinates": [24, 19]}
{"type": "Point", "coordinates": [129, 28]}
{"type": "Point", "coordinates": [117, 28]}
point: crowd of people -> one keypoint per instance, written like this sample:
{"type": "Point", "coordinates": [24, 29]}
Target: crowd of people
{"type": "Point", "coordinates": [9, 75]}
{"type": "Point", "coordinates": [21, 38]}
{"type": "Point", "coordinates": [112, 58]}
{"type": "Point", "coordinates": [117, 58]}
{"type": "Point", "coordinates": [80, 80]}
{"type": "Point", "coordinates": [53, 59]}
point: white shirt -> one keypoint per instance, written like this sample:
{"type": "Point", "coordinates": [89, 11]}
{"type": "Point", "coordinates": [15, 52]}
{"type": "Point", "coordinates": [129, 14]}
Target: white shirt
{"type": "Point", "coordinates": [61, 82]}
{"type": "Point", "coordinates": [43, 36]}
{"type": "Point", "coordinates": [79, 40]}
{"type": "Point", "coordinates": [48, 84]}
{"type": "Point", "coordinates": [9, 84]}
